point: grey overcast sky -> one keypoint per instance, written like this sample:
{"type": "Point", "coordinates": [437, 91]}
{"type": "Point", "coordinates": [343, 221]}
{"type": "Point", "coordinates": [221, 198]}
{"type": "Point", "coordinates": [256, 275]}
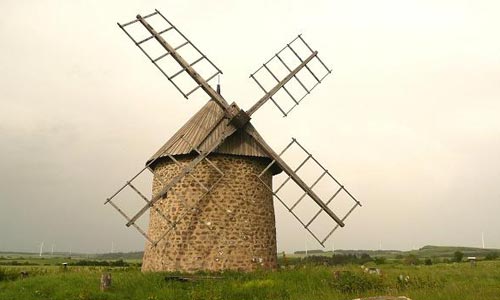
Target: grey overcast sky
{"type": "Point", "coordinates": [409, 121]}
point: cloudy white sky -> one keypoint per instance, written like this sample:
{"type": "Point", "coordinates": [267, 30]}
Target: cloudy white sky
{"type": "Point", "coordinates": [409, 121]}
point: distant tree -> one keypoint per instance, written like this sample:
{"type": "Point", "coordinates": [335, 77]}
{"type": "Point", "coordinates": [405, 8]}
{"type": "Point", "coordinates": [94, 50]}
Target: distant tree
{"type": "Point", "coordinates": [428, 262]}
{"type": "Point", "coordinates": [458, 256]}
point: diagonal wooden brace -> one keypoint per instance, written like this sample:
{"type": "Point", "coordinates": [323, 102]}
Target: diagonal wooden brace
{"type": "Point", "coordinates": [189, 168]}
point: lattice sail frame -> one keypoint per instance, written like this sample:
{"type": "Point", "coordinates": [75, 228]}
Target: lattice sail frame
{"type": "Point", "coordinates": [155, 60]}
{"type": "Point", "coordinates": [325, 172]}
{"type": "Point", "coordinates": [298, 57]}
{"type": "Point", "coordinates": [151, 204]}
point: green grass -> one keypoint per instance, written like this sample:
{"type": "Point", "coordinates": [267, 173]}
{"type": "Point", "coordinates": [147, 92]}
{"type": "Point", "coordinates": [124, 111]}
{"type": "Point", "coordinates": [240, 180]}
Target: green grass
{"type": "Point", "coordinates": [435, 282]}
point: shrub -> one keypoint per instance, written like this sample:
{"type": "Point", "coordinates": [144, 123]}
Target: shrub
{"type": "Point", "coordinates": [336, 259]}
{"type": "Point", "coordinates": [421, 282]}
{"type": "Point", "coordinates": [458, 256]}
{"type": "Point", "coordinates": [350, 282]}
{"type": "Point", "coordinates": [100, 263]}
{"type": "Point", "coordinates": [491, 256]}
{"type": "Point", "coordinates": [428, 262]}
{"type": "Point", "coordinates": [365, 258]}
{"type": "Point", "coordinates": [411, 259]}
{"type": "Point", "coordinates": [379, 260]}
{"type": "Point", "coordinates": [6, 274]}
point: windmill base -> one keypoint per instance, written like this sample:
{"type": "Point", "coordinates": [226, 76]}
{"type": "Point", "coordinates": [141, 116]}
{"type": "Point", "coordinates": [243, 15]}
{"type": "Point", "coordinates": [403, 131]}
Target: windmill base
{"type": "Point", "coordinates": [231, 228]}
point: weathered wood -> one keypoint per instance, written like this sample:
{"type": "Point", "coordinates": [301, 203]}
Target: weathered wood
{"type": "Point", "coordinates": [105, 281]}
{"type": "Point", "coordinates": [185, 65]}
{"type": "Point", "coordinates": [278, 86]}
{"type": "Point", "coordinates": [251, 131]}
{"type": "Point", "coordinates": [228, 132]}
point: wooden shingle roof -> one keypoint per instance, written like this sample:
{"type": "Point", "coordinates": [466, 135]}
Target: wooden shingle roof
{"type": "Point", "coordinates": [196, 129]}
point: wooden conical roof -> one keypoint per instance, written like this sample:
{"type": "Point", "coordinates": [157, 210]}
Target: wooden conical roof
{"type": "Point", "coordinates": [205, 122]}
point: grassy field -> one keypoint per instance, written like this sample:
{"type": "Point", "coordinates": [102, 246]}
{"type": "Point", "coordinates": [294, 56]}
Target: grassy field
{"type": "Point", "coordinates": [426, 282]}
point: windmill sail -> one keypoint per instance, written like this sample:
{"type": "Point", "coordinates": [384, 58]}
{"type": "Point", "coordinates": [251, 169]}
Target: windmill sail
{"type": "Point", "coordinates": [308, 190]}
{"type": "Point", "coordinates": [153, 40]}
{"type": "Point", "coordinates": [297, 61]}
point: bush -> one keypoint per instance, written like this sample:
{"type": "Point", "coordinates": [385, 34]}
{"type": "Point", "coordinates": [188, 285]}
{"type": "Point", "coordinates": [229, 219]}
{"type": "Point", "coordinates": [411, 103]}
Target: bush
{"type": "Point", "coordinates": [350, 282]}
{"type": "Point", "coordinates": [428, 262]}
{"type": "Point", "coordinates": [100, 263]}
{"type": "Point", "coordinates": [365, 258]}
{"type": "Point", "coordinates": [458, 256]}
{"type": "Point", "coordinates": [7, 275]}
{"type": "Point", "coordinates": [379, 260]}
{"type": "Point", "coordinates": [491, 256]}
{"type": "Point", "coordinates": [336, 259]}
{"type": "Point", "coordinates": [420, 282]}
{"type": "Point", "coordinates": [411, 259]}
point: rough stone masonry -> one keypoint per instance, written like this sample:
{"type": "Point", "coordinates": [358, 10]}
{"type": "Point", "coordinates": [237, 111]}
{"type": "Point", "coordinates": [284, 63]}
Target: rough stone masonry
{"type": "Point", "coordinates": [232, 227]}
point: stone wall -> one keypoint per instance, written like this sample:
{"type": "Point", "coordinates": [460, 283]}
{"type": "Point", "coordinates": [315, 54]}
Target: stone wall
{"type": "Point", "coordinates": [231, 227]}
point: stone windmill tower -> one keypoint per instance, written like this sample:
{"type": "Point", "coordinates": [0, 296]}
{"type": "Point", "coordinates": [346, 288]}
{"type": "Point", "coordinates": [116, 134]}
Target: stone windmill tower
{"type": "Point", "coordinates": [212, 196]}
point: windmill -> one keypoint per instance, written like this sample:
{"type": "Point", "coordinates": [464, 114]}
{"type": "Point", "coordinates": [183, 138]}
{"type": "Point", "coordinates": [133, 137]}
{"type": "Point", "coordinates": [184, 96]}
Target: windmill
{"type": "Point", "coordinates": [212, 198]}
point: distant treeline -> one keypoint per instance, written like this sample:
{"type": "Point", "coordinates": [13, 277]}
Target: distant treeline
{"type": "Point", "coordinates": [16, 263]}
{"type": "Point", "coordinates": [337, 259]}
{"type": "Point", "coordinates": [424, 252]}
{"type": "Point", "coordinates": [309, 252]}
{"type": "Point", "coordinates": [121, 255]}
{"type": "Point", "coordinates": [100, 263]}
{"type": "Point", "coordinates": [355, 252]}
{"type": "Point", "coordinates": [344, 259]}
